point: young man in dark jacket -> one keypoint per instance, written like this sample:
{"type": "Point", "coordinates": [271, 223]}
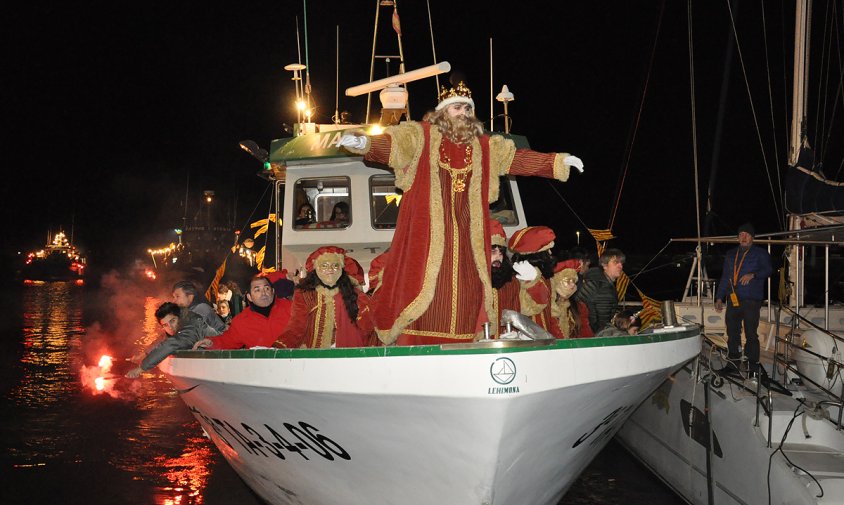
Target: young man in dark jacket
{"type": "Point", "coordinates": [183, 329]}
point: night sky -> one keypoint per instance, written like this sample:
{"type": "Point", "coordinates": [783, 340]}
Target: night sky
{"type": "Point", "coordinates": [110, 109]}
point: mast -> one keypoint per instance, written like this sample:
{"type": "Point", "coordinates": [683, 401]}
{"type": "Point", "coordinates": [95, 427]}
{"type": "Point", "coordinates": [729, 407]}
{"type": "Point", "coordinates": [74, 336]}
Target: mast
{"type": "Point", "coordinates": [802, 24]}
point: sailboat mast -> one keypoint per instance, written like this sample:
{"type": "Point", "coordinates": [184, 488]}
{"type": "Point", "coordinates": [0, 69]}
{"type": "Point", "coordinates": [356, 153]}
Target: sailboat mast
{"type": "Point", "coordinates": [801, 71]}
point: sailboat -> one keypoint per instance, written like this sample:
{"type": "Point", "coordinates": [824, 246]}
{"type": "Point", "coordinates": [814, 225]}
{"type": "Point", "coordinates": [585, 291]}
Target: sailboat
{"type": "Point", "coordinates": [489, 422]}
{"type": "Point", "coordinates": [777, 437]}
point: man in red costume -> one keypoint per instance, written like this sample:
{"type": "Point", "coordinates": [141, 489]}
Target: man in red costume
{"type": "Point", "coordinates": [329, 309]}
{"type": "Point", "coordinates": [259, 324]}
{"type": "Point", "coordinates": [534, 268]}
{"type": "Point", "coordinates": [449, 172]}
{"type": "Point", "coordinates": [504, 283]}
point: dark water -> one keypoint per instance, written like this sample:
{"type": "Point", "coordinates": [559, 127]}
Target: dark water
{"type": "Point", "coordinates": [134, 442]}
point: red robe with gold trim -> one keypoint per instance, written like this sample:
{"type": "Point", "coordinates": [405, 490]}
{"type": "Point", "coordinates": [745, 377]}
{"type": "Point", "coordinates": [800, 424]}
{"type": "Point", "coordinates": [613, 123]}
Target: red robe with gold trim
{"type": "Point", "coordinates": [506, 297]}
{"type": "Point", "coordinates": [438, 287]}
{"type": "Point", "coordinates": [319, 319]}
{"type": "Point", "coordinates": [535, 302]}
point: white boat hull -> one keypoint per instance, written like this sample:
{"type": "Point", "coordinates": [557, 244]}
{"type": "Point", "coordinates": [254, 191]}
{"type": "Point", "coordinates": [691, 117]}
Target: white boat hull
{"type": "Point", "coordinates": [475, 424]}
{"type": "Point", "coordinates": [658, 433]}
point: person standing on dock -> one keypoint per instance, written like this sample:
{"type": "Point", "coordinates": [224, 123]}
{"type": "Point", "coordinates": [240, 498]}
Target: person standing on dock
{"type": "Point", "coordinates": [742, 285]}
{"type": "Point", "coordinates": [449, 171]}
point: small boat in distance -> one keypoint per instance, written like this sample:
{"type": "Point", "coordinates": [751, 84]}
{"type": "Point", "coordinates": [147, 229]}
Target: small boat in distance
{"type": "Point", "coordinates": [59, 260]}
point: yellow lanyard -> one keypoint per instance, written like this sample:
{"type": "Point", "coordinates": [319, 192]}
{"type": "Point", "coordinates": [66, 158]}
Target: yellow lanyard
{"type": "Point", "coordinates": [737, 268]}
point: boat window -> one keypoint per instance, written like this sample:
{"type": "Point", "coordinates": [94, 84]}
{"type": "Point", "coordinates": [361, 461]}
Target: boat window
{"type": "Point", "coordinates": [320, 203]}
{"type": "Point", "coordinates": [503, 209]}
{"type": "Point", "coordinates": [384, 200]}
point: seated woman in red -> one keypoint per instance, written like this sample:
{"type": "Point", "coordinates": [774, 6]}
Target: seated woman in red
{"type": "Point", "coordinates": [329, 310]}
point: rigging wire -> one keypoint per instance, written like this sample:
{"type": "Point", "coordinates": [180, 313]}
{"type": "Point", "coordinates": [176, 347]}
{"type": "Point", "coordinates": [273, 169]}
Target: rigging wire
{"type": "Point", "coordinates": [840, 91]}
{"type": "Point", "coordinates": [629, 149]}
{"type": "Point", "coordinates": [694, 115]}
{"type": "Point", "coordinates": [771, 108]}
{"type": "Point", "coordinates": [753, 111]}
{"type": "Point", "coordinates": [823, 79]}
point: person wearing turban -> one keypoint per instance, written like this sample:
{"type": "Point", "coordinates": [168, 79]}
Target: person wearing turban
{"type": "Point", "coordinates": [329, 309]}
{"type": "Point", "coordinates": [572, 315]}
{"type": "Point", "coordinates": [534, 268]}
{"type": "Point", "coordinates": [504, 283]}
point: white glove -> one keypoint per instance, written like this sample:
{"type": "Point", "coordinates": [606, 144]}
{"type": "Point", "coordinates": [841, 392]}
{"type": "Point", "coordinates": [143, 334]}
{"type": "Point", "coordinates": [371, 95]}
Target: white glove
{"type": "Point", "coordinates": [575, 162]}
{"type": "Point", "coordinates": [524, 271]}
{"type": "Point", "coordinates": [353, 141]}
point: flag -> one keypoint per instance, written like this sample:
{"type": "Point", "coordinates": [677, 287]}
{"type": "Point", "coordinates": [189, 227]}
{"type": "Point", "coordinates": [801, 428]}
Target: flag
{"type": "Point", "coordinates": [651, 310]}
{"type": "Point", "coordinates": [211, 294]}
{"type": "Point", "coordinates": [396, 23]}
{"type": "Point", "coordinates": [393, 198]}
{"type": "Point", "coordinates": [262, 225]}
{"type": "Point", "coordinates": [601, 235]}
{"type": "Point", "coordinates": [259, 260]}
{"type": "Point", "coordinates": [621, 286]}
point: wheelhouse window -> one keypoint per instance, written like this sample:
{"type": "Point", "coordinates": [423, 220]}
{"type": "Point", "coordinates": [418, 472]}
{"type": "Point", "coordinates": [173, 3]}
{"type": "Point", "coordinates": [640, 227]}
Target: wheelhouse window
{"type": "Point", "coordinates": [321, 203]}
{"type": "Point", "coordinates": [503, 209]}
{"type": "Point", "coordinates": [384, 201]}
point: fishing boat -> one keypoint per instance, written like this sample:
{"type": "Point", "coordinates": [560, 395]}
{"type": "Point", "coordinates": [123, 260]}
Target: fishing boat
{"type": "Point", "coordinates": [775, 437]}
{"type": "Point", "coordinates": [496, 421]}
{"type": "Point", "coordinates": [59, 260]}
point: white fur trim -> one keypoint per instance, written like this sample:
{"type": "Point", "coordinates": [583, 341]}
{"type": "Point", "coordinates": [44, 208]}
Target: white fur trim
{"type": "Point", "coordinates": [455, 99]}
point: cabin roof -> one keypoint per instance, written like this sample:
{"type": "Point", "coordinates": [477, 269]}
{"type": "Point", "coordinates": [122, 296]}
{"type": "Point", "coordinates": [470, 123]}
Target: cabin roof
{"type": "Point", "coordinates": [321, 147]}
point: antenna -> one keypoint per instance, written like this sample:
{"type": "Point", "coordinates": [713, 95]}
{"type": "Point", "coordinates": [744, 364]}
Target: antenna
{"type": "Point", "coordinates": [491, 110]}
{"type": "Point", "coordinates": [307, 62]}
{"type": "Point", "coordinates": [337, 82]}
{"type": "Point", "coordinates": [433, 48]}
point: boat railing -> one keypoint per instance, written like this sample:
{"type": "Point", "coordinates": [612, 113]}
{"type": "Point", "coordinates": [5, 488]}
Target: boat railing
{"type": "Point", "coordinates": [785, 348]}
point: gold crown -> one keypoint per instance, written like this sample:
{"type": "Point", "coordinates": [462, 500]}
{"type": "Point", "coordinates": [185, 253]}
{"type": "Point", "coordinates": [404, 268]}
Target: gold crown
{"type": "Point", "coordinates": [460, 90]}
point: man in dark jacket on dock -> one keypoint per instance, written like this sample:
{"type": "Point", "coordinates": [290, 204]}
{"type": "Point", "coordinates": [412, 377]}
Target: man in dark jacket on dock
{"type": "Point", "coordinates": [183, 329]}
{"type": "Point", "coordinates": [598, 291]}
{"type": "Point", "coordinates": [742, 285]}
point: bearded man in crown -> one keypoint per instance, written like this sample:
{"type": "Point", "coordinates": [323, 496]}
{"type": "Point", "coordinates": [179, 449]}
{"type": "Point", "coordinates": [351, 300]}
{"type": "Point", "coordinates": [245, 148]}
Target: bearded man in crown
{"type": "Point", "coordinates": [436, 288]}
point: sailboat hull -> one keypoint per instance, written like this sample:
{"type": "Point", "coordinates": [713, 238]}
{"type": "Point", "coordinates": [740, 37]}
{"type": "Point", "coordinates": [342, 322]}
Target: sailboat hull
{"type": "Point", "coordinates": [477, 423]}
{"type": "Point", "coordinates": [670, 434]}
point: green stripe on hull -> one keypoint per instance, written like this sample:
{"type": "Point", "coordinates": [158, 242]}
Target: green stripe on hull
{"type": "Point", "coordinates": [438, 350]}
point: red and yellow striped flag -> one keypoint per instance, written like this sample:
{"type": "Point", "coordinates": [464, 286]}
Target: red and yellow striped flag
{"type": "Point", "coordinates": [621, 286]}
{"type": "Point", "coordinates": [651, 310]}
{"type": "Point", "coordinates": [262, 225]}
{"type": "Point", "coordinates": [211, 294]}
{"type": "Point", "coordinates": [601, 235]}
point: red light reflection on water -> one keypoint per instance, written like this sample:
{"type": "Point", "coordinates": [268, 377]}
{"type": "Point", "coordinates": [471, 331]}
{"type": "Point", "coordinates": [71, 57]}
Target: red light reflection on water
{"type": "Point", "coordinates": [188, 474]}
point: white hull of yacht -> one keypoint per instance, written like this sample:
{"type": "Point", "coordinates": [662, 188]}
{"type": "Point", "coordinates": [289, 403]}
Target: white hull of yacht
{"type": "Point", "coordinates": [659, 434]}
{"type": "Point", "coordinates": [472, 424]}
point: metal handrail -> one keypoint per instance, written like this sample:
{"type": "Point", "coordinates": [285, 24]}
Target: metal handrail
{"type": "Point", "coordinates": [836, 400]}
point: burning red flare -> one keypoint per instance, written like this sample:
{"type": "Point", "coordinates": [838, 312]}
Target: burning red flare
{"type": "Point", "coordinates": [99, 383]}
{"type": "Point", "coordinates": [105, 362]}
